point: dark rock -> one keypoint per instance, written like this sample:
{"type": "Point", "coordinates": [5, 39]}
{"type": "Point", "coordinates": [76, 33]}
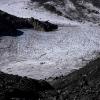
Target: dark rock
{"type": "Point", "coordinates": [52, 9]}
{"type": "Point", "coordinates": [13, 33]}
{"type": "Point", "coordinates": [13, 87]}
{"type": "Point", "coordinates": [44, 26]}
{"type": "Point", "coordinates": [9, 24]}
{"type": "Point", "coordinates": [82, 84]}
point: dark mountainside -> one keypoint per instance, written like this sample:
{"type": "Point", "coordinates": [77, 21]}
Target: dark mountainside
{"type": "Point", "coordinates": [13, 87]}
{"type": "Point", "coordinates": [9, 24]}
{"type": "Point", "coordinates": [82, 84]}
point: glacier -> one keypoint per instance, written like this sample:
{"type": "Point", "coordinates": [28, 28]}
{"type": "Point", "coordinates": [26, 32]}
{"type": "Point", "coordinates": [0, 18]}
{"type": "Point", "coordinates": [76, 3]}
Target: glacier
{"type": "Point", "coordinates": [41, 55]}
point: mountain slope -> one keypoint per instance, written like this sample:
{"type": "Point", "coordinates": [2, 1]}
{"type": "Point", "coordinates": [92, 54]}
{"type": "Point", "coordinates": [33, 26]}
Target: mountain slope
{"type": "Point", "coordinates": [9, 24]}
{"type": "Point", "coordinates": [81, 10]}
{"type": "Point", "coordinates": [83, 84]}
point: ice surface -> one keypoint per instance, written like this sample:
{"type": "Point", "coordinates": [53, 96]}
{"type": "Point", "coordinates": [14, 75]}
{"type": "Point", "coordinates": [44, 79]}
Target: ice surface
{"type": "Point", "coordinates": [48, 54]}
{"type": "Point", "coordinates": [42, 55]}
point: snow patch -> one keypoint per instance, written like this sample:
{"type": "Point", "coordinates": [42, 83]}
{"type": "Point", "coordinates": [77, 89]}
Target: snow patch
{"type": "Point", "coordinates": [42, 55]}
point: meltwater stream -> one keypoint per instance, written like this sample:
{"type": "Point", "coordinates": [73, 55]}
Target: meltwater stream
{"type": "Point", "coordinates": [42, 55]}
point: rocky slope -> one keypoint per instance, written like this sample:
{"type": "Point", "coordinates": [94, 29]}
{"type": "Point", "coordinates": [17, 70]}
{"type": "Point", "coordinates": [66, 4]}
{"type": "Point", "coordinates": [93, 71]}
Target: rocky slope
{"type": "Point", "coordinates": [82, 84]}
{"type": "Point", "coordinates": [9, 24]}
{"type": "Point", "coordinates": [13, 87]}
{"type": "Point", "coordinates": [80, 10]}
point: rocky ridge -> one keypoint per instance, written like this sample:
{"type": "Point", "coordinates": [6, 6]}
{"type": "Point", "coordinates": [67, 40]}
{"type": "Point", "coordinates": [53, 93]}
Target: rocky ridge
{"type": "Point", "coordinates": [9, 24]}
{"type": "Point", "coordinates": [80, 10]}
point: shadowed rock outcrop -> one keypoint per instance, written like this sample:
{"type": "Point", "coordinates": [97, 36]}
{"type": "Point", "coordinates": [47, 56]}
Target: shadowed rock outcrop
{"type": "Point", "coordinates": [13, 87]}
{"type": "Point", "coordinates": [9, 24]}
{"type": "Point", "coordinates": [82, 84]}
